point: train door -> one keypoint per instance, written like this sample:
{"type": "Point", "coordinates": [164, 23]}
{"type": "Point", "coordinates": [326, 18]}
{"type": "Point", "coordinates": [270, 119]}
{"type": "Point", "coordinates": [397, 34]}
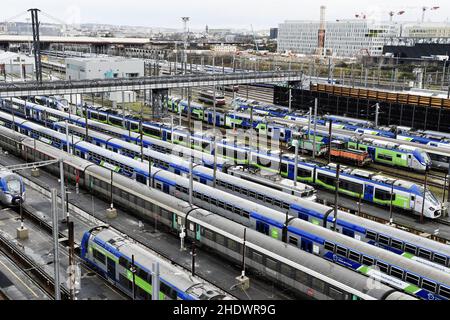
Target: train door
{"type": "Point", "coordinates": [210, 118]}
{"type": "Point", "coordinates": [410, 161]}
{"type": "Point", "coordinates": [414, 202]}
{"type": "Point", "coordinates": [111, 267]}
{"type": "Point", "coordinates": [371, 151]}
{"type": "Point", "coordinates": [368, 192]}
{"type": "Point", "coordinates": [174, 221]}
{"type": "Point", "coordinates": [197, 232]}
{"type": "Point", "coordinates": [306, 245]}
{"type": "Point", "coordinates": [262, 227]}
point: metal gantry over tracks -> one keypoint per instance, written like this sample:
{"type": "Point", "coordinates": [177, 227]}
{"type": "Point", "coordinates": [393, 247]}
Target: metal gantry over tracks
{"type": "Point", "coordinates": [32, 88]}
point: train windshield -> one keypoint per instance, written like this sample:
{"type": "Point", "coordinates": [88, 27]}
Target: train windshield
{"type": "Point", "coordinates": [13, 184]}
{"type": "Point", "coordinates": [426, 158]}
{"type": "Point", "coordinates": [432, 198]}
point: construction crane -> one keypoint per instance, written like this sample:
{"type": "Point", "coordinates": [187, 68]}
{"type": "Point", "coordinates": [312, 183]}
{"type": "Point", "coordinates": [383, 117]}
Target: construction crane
{"type": "Point", "coordinates": [392, 14]}
{"type": "Point", "coordinates": [424, 9]}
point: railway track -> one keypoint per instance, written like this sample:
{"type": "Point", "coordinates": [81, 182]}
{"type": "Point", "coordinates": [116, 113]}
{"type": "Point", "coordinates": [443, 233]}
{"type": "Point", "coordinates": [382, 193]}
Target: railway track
{"type": "Point", "coordinates": [31, 268]}
{"type": "Point", "coordinates": [73, 207]}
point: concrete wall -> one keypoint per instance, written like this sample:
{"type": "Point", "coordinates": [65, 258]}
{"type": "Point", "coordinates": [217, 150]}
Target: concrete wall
{"type": "Point", "coordinates": [101, 68]}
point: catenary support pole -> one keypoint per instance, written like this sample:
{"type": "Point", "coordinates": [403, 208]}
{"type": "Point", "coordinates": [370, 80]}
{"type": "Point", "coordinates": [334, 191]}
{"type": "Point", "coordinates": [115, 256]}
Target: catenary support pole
{"type": "Point", "coordinates": [55, 244]}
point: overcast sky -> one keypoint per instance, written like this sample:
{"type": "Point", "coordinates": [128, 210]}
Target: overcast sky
{"type": "Point", "coordinates": [219, 13]}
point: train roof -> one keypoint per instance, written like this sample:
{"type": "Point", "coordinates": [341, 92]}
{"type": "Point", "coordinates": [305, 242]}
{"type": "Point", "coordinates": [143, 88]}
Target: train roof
{"type": "Point", "coordinates": [176, 276]}
{"type": "Point", "coordinates": [290, 255]}
{"type": "Point", "coordinates": [319, 234]}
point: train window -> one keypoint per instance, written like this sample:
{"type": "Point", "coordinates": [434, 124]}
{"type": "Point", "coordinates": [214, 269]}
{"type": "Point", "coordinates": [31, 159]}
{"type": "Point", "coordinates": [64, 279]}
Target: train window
{"type": "Point", "coordinates": [245, 192]}
{"type": "Point", "coordinates": [384, 267]}
{"type": "Point", "coordinates": [293, 241]}
{"type": "Point", "coordinates": [286, 270]}
{"type": "Point", "coordinates": [341, 251]}
{"type": "Point", "coordinates": [115, 121]}
{"type": "Point", "coordinates": [428, 285]}
{"type": "Point", "coordinates": [301, 277]}
{"type": "Point", "coordinates": [233, 245]}
{"type": "Point", "coordinates": [367, 261]}
{"type": "Point", "coordinates": [329, 246]}
{"type": "Point", "coordinates": [214, 202]}
{"type": "Point", "coordinates": [383, 240]}
{"type": "Point", "coordinates": [124, 262]}
{"type": "Point", "coordinates": [397, 272]}
{"type": "Point", "coordinates": [336, 294]}
{"type": "Point", "coordinates": [220, 239]}
{"type": "Point", "coordinates": [260, 197]}
{"type": "Point", "coordinates": [318, 285]}
{"type": "Point", "coordinates": [271, 264]}
{"type": "Point", "coordinates": [384, 157]}
{"type": "Point", "coordinates": [209, 234]}
{"type": "Point", "coordinates": [303, 173]}
{"type": "Point", "coordinates": [252, 194]}
{"type": "Point", "coordinates": [352, 255]}
{"type": "Point", "coordinates": [142, 274]}
{"type": "Point", "coordinates": [396, 244]}
{"type": "Point", "coordinates": [424, 254]}
{"type": "Point", "coordinates": [257, 257]}
{"type": "Point", "coordinates": [141, 179]}
{"type": "Point", "coordinates": [444, 292]}
{"type": "Point", "coordinates": [127, 284]}
{"type": "Point", "coordinates": [351, 186]}
{"type": "Point", "coordinates": [371, 235]}
{"type": "Point", "coordinates": [245, 214]}
{"type": "Point", "coordinates": [168, 291]}
{"type": "Point", "coordinates": [159, 186]}
{"type": "Point", "coordinates": [326, 179]}
{"type": "Point", "coordinates": [221, 204]}
{"type": "Point", "coordinates": [412, 278]}
{"type": "Point", "coordinates": [440, 259]}
{"type": "Point", "coordinates": [410, 248]}
{"type": "Point", "coordinates": [228, 207]}
{"type": "Point", "coordinates": [286, 205]}
{"type": "Point", "coordinates": [100, 257]}
{"type": "Point", "coordinates": [383, 195]}
{"type": "Point", "coordinates": [283, 167]}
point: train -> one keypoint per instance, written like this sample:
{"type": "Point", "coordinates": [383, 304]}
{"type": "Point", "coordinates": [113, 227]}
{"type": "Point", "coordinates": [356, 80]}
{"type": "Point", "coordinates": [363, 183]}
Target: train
{"type": "Point", "coordinates": [12, 188]}
{"type": "Point", "coordinates": [52, 102]}
{"type": "Point", "coordinates": [209, 97]}
{"type": "Point", "coordinates": [111, 254]}
{"type": "Point", "coordinates": [339, 150]}
{"type": "Point", "coordinates": [358, 126]}
{"type": "Point", "coordinates": [300, 205]}
{"type": "Point", "coordinates": [295, 269]}
{"type": "Point", "coordinates": [381, 152]}
{"type": "Point", "coordinates": [283, 227]}
{"type": "Point", "coordinates": [355, 183]}
{"type": "Point", "coordinates": [287, 128]}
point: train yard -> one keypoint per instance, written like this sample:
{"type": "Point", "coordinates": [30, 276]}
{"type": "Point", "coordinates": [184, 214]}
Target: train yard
{"type": "Point", "coordinates": [142, 192]}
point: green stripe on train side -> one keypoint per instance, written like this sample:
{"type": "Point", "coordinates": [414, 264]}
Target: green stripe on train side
{"type": "Point", "coordinates": [399, 201]}
{"type": "Point", "coordinates": [144, 285]}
